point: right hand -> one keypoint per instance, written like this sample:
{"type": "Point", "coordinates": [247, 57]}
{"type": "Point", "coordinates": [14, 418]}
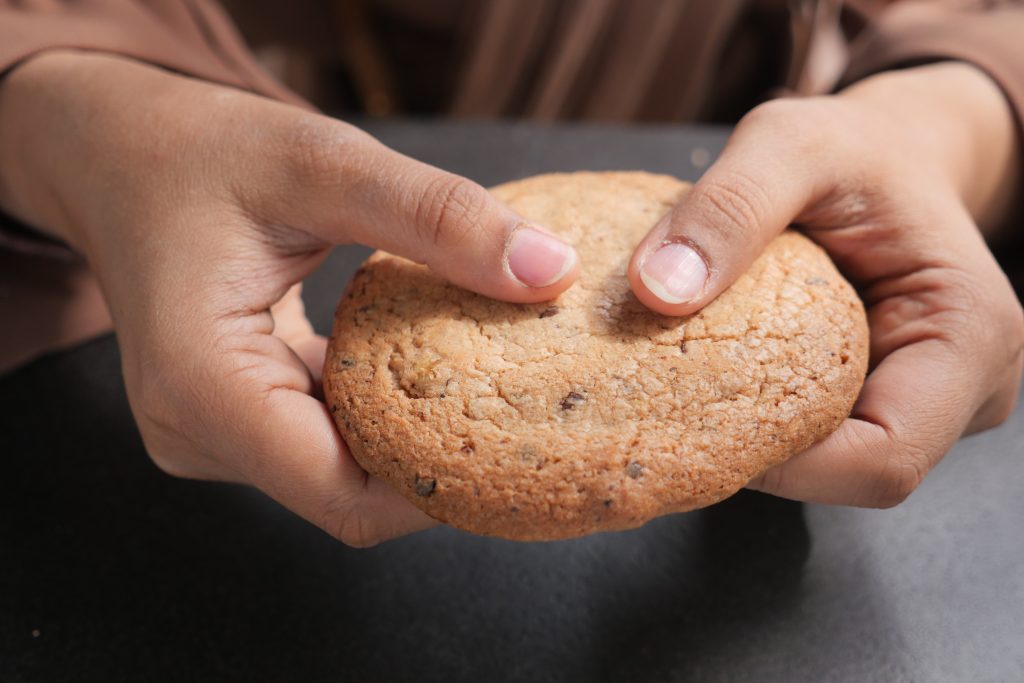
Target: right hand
{"type": "Point", "coordinates": [200, 208]}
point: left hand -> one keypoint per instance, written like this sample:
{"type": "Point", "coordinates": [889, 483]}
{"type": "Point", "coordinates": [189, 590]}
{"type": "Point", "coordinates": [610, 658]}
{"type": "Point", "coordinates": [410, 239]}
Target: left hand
{"type": "Point", "coordinates": [891, 177]}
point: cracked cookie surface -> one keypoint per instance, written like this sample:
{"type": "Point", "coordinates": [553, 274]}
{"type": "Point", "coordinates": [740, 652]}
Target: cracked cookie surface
{"type": "Point", "coordinates": [590, 412]}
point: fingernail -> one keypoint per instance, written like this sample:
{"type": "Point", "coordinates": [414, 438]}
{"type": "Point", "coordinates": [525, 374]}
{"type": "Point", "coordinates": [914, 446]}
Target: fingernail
{"type": "Point", "coordinates": [674, 273]}
{"type": "Point", "coordinates": [537, 259]}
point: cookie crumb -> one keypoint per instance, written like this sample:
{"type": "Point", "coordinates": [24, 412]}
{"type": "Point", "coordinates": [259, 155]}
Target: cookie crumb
{"type": "Point", "coordinates": [572, 400]}
{"type": "Point", "coordinates": [549, 311]}
{"type": "Point", "coordinates": [634, 470]}
{"type": "Point", "coordinates": [425, 487]}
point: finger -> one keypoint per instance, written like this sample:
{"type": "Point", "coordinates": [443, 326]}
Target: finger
{"type": "Point", "coordinates": [912, 409]}
{"type": "Point", "coordinates": [958, 293]}
{"type": "Point", "coordinates": [311, 351]}
{"type": "Point", "coordinates": [308, 469]}
{"type": "Point", "coordinates": [284, 442]}
{"type": "Point", "coordinates": [289, 316]}
{"type": "Point", "coordinates": [293, 328]}
{"type": "Point", "coordinates": [348, 187]}
{"type": "Point", "coordinates": [998, 408]}
{"type": "Point", "coordinates": [946, 340]}
{"type": "Point", "coordinates": [760, 183]}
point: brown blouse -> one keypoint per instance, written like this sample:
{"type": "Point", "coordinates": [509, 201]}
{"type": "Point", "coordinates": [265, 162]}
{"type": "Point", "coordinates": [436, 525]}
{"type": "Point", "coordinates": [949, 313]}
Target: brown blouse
{"type": "Point", "coordinates": [612, 60]}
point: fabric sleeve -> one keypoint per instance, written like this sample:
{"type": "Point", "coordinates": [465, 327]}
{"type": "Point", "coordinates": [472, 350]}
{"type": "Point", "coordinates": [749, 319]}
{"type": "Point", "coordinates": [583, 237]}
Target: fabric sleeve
{"type": "Point", "coordinates": [191, 37]}
{"type": "Point", "coordinates": [48, 297]}
{"type": "Point", "coordinates": [988, 34]}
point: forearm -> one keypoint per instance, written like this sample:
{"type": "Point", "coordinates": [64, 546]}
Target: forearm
{"type": "Point", "coordinates": [87, 139]}
{"type": "Point", "coordinates": [957, 119]}
{"type": "Point", "coordinates": [66, 119]}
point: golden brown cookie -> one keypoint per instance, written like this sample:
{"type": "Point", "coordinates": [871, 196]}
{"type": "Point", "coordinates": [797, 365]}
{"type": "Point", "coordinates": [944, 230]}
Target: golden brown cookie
{"type": "Point", "coordinates": [590, 412]}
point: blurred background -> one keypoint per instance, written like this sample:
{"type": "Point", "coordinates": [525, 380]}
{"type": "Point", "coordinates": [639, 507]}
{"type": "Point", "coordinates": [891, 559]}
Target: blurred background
{"type": "Point", "coordinates": [596, 60]}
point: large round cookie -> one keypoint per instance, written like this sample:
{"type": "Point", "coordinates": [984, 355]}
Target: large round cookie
{"type": "Point", "coordinates": [589, 412]}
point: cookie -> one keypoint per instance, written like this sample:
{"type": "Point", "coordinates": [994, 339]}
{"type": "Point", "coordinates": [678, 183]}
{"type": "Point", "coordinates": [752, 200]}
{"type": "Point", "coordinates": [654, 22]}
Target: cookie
{"type": "Point", "coordinates": [589, 412]}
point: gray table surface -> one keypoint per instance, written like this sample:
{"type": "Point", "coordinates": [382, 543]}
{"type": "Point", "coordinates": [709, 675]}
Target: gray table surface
{"type": "Point", "coordinates": [112, 571]}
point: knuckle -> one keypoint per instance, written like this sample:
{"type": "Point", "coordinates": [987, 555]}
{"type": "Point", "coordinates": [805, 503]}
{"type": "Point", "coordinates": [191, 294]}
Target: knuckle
{"type": "Point", "coordinates": [822, 134]}
{"type": "Point", "coordinates": [159, 427]}
{"type": "Point", "coordinates": [799, 121]}
{"type": "Point", "coordinates": [319, 153]}
{"type": "Point", "coordinates": [315, 164]}
{"type": "Point", "coordinates": [1003, 403]}
{"type": "Point", "coordinates": [897, 480]}
{"type": "Point", "coordinates": [1015, 336]}
{"type": "Point", "coordinates": [1003, 310]}
{"type": "Point", "coordinates": [345, 521]}
{"type": "Point", "coordinates": [354, 533]}
{"type": "Point", "coordinates": [170, 465]}
{"type": "Point", "coordinates": [776, 114]}
{"type": "Point", "coordinates": [1006, 409]}
{"type": "Point", "coordinates": [166, 415]}
{"type": "Point", "coordinates": [736, 204]}
{"type": "Point", "coordinates": [154, 414]}
{"type": "Point", "coordinates": [985, 317]}
{"type": "Point", "coordinates": [449, 209]}
{"type": "Point", "coordinates": [771, 481]}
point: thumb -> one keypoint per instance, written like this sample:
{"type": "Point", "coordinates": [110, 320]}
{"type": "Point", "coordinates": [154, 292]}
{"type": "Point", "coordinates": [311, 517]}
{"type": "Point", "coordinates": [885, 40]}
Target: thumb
{"type": "Point", "coordinates": [757, 187]}
{"type": "Point", "coordinates": [353, 189]}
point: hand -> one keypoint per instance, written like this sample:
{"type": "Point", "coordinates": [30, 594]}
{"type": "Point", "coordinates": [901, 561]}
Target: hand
{"type": "Point", "coordinates": [199, 208]}
{"type": "Point", "coordinates": [886, 177]}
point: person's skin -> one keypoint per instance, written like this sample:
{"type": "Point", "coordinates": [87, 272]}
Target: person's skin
{"type": "Point", "coordinates": [200, 208]}
{"type": "Point", "coordinates": [892, 177]}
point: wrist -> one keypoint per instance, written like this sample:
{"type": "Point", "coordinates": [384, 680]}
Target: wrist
{"type": "Point", "coordinates": [70, 123]}
{"type": "Point", "coordinates": [29, 139]}
{"type": "Point", "coordinates": [952, 118]}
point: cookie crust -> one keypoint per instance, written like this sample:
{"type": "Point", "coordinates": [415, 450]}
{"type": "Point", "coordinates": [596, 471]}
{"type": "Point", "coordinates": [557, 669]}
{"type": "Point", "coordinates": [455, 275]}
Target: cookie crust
{"type": "Point", "coordinates": [590, 412]}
